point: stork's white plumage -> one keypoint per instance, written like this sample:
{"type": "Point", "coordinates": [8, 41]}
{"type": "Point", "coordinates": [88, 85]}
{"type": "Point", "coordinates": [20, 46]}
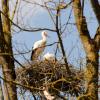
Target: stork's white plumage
{"type": "Point", "coordinates": [49, 56]}
{"type": "Point", "coordinates": [39, 46]}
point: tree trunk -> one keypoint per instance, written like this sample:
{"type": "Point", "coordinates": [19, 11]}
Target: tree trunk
{"type": "Point", "coordinates": [92, 53]}
{"type": "Point", "coordinates": [6, 47]}
{"type": "Point", "coordinates": [91, 76]}
{"type": "Point", "coordinates": [1, 92]}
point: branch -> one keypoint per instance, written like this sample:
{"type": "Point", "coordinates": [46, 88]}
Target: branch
{"type": "Point", "coordinates": [82, 25]}
{"type": "Point", "coordinates": [19, 84]}
{"type": "Point", "coordinates": [18, 63]}
{"type": "Point", "coordinates": [61, 43]}
{"type": "Point", "coordinates": [97, 37]}
{"type": "Point", "coordinates": [14, 11]}
{"type": "Point", "coordinates": [64, 6]}
{"type": "Point", "coordinates": [60, 96]}
{"type": "Point", "coordinates": [96, 8]}
{"type": "Point", "coordinates": [27, 29]}
{"type": "Point", "coordinates": [8, 54]}
{"type": "Point", "coordinates": [1, 31]}
{"type": "Point", "coordinates": [1, 46]}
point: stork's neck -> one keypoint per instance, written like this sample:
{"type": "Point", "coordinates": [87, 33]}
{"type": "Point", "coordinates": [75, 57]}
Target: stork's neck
{"type": "Point", "coordinates": [44, 38]}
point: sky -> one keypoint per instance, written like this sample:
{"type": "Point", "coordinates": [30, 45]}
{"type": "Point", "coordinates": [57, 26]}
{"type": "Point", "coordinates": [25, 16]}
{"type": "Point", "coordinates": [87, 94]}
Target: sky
{"type": "Point", "coordinates": [35, 16]}
{"type": "Point", "coordinates": [30, 15]}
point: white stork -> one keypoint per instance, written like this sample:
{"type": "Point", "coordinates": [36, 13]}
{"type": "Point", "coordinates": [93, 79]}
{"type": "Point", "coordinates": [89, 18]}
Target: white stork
{"type": "Point", "coordinates": [39, 46]}
{"type": "Point", "coordinates": [50, 57]}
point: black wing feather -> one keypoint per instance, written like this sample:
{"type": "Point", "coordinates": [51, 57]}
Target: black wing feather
{"type": "Point", "coordinates": [33, 53]}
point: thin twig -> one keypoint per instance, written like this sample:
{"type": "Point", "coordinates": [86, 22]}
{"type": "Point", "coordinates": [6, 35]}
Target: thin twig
{"type": "Point", "coordinates": [27, 29]}
{"type": "Point", "coordinates": [60, 40]}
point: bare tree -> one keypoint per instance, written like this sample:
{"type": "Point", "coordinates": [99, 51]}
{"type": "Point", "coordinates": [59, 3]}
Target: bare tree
{"type": "Point", "coordinates": [91, 47]}
{"type": "Point", "coordinates": [1, 92]}
{"type": "Point", "coordinates": [6, 48]}
{"type": "Point", "coordinates": [57, 76]}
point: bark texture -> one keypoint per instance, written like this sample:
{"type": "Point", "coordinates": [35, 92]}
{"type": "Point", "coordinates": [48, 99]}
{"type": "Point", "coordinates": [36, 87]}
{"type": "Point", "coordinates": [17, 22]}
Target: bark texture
{"type": "Point", "coordinates": [91, 47]}
{"type": "Point", "coordinates": [6, 47]}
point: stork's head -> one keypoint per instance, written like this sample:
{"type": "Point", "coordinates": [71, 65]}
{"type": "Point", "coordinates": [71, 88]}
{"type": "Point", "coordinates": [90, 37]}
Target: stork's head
{"type": "Point", "coordinates": [44, 34]}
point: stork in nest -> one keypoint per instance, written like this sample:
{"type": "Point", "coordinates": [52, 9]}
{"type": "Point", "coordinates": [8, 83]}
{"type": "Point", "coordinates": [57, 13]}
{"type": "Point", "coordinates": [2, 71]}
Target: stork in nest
{"type": "Point", "coordinates": [39, 46]}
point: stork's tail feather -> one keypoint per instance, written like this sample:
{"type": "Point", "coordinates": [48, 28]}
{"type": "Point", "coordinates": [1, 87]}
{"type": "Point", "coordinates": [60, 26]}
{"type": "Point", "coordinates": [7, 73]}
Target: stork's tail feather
{"type": "Point", "coordinates": [34, 54]}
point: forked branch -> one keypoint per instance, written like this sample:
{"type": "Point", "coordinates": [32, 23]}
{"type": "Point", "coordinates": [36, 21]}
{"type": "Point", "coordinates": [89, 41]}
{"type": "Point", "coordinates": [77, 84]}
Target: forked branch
{"type": "Point", "coordinates": [97, 37]}
{"type": "Point", "coordinates": [96, 8]}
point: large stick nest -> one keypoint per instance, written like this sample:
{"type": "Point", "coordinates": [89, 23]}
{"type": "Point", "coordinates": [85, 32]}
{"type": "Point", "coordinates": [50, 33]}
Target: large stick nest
{"type": "Point", "coordinates": [53, 75]}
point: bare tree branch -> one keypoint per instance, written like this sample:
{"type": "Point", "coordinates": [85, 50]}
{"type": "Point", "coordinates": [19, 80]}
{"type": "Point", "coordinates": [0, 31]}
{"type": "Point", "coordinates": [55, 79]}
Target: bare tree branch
{"type": "Point", "coordinates": [61, 43]}
{"type": "Point", "coordinates": [8, 65]}
{"type": "Point", "coordinates": [92, 53]}
{"type": "Point", "coordinates": [17, 83]}
{"type": "Point", "coordinates": [14, 11]}
{"type": "Point", "coordinates": [81, 24]}
{"type": "Point", "coordinates": [64, 6]}
{"type": "Point", "coordinates": [96, 8]}
{"type": "Point", "coordinates": [27, 29]}
{"type": "Point", "coordinates": [97, 37]}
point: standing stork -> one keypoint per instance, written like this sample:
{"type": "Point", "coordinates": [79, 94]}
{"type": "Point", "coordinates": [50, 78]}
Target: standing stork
{"type": "Point", "coordinates": [39, 46]}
